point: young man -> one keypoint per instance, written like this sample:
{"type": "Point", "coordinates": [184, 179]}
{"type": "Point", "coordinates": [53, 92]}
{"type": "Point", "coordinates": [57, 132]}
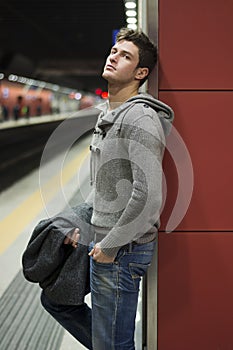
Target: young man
{"type": "Point", "coordinates": [126, 173]}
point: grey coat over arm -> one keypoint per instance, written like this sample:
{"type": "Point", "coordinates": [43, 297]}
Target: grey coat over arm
{"type": "Point", "coordinates": [61, 270]}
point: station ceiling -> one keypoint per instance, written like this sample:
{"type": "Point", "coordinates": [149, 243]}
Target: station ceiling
{"type": "Point", "coordinates": [60, 41]}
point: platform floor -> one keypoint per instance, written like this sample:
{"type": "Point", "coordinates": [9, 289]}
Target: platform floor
{"type": "Point", "coordinates": [24, 324]}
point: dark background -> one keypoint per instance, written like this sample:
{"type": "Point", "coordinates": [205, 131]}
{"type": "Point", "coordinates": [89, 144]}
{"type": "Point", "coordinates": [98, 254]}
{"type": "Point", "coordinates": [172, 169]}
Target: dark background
{"type": "Point", "coordinates": [63, 42]}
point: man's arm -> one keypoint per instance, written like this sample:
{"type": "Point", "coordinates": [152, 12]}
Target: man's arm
{"type": "Point", "coordinates": [143, 208]}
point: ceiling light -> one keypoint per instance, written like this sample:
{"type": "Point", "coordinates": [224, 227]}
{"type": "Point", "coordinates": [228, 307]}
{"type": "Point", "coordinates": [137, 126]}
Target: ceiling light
{"type": "Point", "coordinates": [13, 77]}
{"type": "Point", "coordinates": [42, 84]}
{"type": "Point", "coordinates": [131, 20]}
{"type": "Point", "coordinates": [132, 26]}
{"type": "Point", "coordinates": [130, 5]}
{"type": "Point", "coordinates": [131, 13]}
{"type": "Point", "coordinates": [55, 88]}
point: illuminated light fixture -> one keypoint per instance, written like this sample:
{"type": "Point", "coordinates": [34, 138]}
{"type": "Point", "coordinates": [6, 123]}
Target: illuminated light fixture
{"type": "Point", "coordinates": [131, 13]}
{"type": "Point", "coordinates": [132, 26]}
{"type": "Point", "coordinates": [130, 5]}
{"type": "Point", "coordinates": [28, 81]}
{"type": "Point", "coordinates": [13, 77]}
{"type": "Point", "coordinates": [55, 88]}
{"type": "Point", "coordinates": [41, 84]}
{"type": "Point", "coordinates": [104, 94]}
{"type": "Point", "coordinates": [98, 91]}
{"type": "Point", "coordinates": [131, 20]}
{"type": "Point", "coordinates": [78, 96]}
{"type": "Point", "coordinates": [22, 80]}
{"type": "Point", "coordinates": [1, 76]}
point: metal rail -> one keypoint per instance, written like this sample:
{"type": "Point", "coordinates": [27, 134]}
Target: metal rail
{"type": "Point", "coordinates": [148, 22]}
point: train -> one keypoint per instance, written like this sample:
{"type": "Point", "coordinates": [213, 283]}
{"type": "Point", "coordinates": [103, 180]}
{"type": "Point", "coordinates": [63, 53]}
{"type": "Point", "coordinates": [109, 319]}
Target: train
{"type": "Point", "coordinates": [22, 97]}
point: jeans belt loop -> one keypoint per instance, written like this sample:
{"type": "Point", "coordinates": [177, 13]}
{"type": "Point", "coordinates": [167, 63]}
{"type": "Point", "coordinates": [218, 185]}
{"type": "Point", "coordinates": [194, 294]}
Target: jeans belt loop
{"type": "Point", "coordinates": [130, 247]}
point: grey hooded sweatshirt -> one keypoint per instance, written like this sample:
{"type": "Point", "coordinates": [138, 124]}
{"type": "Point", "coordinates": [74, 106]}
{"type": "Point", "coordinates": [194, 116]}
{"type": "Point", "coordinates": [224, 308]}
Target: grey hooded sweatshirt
{"type": "Point", "coordinates": [126, 171]}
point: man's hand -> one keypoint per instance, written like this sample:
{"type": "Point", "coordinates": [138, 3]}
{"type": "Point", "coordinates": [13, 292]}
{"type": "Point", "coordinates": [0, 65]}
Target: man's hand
{"type": "Point", "coordinates": [99, 256]}
{"type": "Point", "coordinates": [72, 238]}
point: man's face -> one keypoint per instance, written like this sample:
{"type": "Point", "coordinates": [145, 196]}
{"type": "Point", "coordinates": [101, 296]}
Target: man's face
{"type": "Point", "coordinates": [121, 63]}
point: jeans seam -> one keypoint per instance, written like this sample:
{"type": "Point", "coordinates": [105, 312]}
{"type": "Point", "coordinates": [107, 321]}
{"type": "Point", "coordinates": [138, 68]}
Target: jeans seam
{"type": "Point", "coordinates": [116, 309]}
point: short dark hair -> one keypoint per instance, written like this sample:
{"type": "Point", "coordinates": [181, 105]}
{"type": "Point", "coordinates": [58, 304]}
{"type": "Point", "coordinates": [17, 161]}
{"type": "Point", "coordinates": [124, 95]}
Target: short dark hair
{"type": "Point", "coordinates": [147, 49]}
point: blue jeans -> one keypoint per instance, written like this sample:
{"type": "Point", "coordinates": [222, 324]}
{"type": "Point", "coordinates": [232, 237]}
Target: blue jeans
{"type": "Point", "coordinates": [110, 325]}
{"type": "Point", "coordinates": [76, 319]}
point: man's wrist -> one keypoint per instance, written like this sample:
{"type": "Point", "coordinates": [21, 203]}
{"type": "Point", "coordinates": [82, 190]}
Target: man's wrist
{"type": "Point", "coordinates": [111, 252]}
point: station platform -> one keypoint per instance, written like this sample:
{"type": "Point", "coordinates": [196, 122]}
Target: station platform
{"type": "Point", "coordinates": [24, 324]}
{"type": "Point", "coordinates": [49, 118]}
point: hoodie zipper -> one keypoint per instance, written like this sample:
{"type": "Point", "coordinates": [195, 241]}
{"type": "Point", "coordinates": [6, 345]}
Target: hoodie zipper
{"type": "Point", "coordinates": [94, 151]}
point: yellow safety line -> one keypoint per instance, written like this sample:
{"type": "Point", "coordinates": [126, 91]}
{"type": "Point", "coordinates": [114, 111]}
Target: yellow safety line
{"type": "Point", "coordinates": [15, 222]}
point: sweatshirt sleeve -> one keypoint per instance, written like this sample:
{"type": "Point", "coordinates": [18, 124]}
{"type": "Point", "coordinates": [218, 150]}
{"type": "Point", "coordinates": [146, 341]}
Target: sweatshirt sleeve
{"type": "Point", "coordinates": [145, 151]}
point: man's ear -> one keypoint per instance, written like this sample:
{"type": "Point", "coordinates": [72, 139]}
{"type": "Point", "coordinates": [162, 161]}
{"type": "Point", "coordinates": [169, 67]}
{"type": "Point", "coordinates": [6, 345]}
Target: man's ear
{"type": "Point", "coordinates": [141, 73]}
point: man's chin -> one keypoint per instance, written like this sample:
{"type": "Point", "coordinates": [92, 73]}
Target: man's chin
{"type": "Point", "coordinates": [105, 75]}
{"type": "Point", "coordinates": [108, 77]}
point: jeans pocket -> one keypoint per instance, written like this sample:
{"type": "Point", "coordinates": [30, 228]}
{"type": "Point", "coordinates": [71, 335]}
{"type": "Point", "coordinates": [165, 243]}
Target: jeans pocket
{"type": "Point", "coordinates": [137, 271]}
{"type": "Point", "coordinates": [102, 264]}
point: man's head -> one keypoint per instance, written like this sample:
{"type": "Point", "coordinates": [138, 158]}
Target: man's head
{"type": "Point", "coordinates": [147, 50]}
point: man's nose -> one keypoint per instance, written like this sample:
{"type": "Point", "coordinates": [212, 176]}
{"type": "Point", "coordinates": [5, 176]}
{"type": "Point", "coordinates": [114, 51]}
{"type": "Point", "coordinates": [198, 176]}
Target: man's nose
{"type": "Point", "coordinates": [113, 57]}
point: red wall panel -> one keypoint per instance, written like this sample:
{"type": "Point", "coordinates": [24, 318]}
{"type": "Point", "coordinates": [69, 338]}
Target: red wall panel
{"type": "Point", "coordinates": [195, 44]}
{"type": "Point", "coordinates": [195, 274]}
{"type": "Point", "coordinates": [195, 304]}
{"type": "Point", "coordinates": [205, 122]}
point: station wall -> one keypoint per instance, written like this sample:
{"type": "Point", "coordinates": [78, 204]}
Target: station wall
{"type": "Point", "coordinates": [195, 274]}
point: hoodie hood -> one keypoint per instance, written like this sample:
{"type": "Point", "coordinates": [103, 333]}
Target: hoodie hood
{"type": "Point", "coordinates": [164, 112]}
